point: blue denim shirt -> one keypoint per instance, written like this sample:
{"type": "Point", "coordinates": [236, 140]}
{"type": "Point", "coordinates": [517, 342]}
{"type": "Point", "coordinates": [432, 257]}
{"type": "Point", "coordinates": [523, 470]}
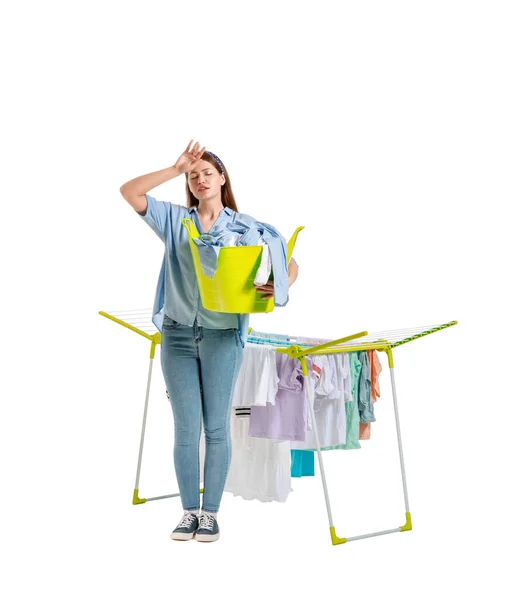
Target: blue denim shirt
{"type": "Point", "coordinates": [177, 293]}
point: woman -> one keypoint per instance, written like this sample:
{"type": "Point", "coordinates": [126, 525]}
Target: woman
{"type": "Point", "coordinates": [201, 350]}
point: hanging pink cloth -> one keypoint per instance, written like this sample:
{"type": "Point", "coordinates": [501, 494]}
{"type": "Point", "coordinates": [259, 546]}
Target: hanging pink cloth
{"type": "Point", "coordinates": [364, 431]}
{"type": "Point", "coordinates": [375, 368]}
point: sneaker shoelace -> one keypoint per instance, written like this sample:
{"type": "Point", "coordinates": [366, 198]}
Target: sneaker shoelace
{"type": "Point", "coordinates": [187, 520]}
{"type": "Point", "coordinates": [206, 522]}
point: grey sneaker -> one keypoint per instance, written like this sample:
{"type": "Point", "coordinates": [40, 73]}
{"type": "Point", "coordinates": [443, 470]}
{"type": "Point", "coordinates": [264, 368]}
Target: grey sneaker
{"type": "Point", "coordinates": [186, 528]}
{"type": "Point", "coordinates": [208, 530]}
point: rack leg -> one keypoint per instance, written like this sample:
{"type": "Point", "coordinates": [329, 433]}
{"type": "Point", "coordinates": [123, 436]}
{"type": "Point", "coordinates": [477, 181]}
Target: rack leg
{"type": "Point", "coordinates": [408, 525]}
{"type": "Point", "coordinates": [311, 395]}
{"type": "Point", "coordinates": [136, 499]}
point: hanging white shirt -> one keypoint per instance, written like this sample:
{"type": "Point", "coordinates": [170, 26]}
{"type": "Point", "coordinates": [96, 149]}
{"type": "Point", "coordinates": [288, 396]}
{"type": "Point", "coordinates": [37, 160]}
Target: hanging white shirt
{"type": "Point", "coordinates": [329, 409]}
{"type": "Point", "coordinates": [258, 379]}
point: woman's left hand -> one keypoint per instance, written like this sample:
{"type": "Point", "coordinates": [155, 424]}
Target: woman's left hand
{"type": "Point", "coordinates": [267, 290]}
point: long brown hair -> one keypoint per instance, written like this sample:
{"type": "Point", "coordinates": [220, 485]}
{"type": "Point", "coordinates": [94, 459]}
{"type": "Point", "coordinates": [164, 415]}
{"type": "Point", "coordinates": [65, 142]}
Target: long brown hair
{"type": "Point", "coordinates": [227, 197]}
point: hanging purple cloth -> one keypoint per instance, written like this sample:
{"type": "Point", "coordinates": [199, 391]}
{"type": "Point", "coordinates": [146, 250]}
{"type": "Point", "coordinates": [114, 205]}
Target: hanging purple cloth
{"type": "Point", "coordinates": [287, 418]}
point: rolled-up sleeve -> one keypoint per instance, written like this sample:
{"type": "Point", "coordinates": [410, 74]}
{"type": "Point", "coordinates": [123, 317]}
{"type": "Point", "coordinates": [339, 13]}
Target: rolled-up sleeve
{"type": "Point", "coordinates": [157, 216]}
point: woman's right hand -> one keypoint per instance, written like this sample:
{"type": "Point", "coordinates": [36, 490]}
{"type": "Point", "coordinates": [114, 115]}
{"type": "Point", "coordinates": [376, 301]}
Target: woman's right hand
{"type": "Point", "coordinates": [189, 159]}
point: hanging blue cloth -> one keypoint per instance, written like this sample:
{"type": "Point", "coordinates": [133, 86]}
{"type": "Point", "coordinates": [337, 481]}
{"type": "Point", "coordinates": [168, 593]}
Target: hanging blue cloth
{"type": "Point", "coordinates": [366, 411]}
{"type": "Point", "coordinates": [302, 463]}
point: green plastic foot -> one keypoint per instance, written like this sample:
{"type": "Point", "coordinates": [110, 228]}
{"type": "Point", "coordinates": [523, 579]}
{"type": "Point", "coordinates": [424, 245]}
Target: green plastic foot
{"type": "Point", "coordinates": [408, 525]}
{"type": "Point", "coordinates": [136, 499]}
{"type": "Point", "coordinates": [335, 539]}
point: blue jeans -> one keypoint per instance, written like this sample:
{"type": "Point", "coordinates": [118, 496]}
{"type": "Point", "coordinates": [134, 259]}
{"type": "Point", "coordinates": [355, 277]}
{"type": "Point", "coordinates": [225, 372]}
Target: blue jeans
{"type": "Point", "coordinates": [200, 367]}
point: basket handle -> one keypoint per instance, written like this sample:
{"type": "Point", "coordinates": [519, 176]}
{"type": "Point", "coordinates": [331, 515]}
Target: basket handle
{"type": "Point", "coordinates": [292, 242]}
{"type": "Point", "coordinates": [191, 228]}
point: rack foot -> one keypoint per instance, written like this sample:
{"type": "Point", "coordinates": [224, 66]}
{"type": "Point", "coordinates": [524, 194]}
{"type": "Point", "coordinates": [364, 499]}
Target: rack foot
{"type": "Point", "coordinates": [408, 525]}
{"type": "Point", "coordinates": [335, 539]}
{"type": "Point", "coordinates": [136, 499]}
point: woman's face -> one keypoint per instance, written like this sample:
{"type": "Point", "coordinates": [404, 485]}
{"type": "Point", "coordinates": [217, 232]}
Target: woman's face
{"type": "Point", "coordinates": [205, 181]}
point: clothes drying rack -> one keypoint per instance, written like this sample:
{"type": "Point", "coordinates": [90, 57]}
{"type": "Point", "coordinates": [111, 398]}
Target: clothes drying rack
{"type": "Point", "coordinates": [140, 321]}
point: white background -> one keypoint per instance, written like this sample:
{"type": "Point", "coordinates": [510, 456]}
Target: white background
{"type": "Point", "coordinates": [395, 133]}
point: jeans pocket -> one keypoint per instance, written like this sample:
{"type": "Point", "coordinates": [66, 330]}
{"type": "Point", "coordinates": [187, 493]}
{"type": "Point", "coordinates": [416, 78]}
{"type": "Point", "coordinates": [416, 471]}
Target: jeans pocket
{"type": "Point", "coordinates": [169, 324]}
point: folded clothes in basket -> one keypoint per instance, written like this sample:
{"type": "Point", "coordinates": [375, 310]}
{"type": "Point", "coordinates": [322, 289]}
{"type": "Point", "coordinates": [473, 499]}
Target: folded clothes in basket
{"type": "Point", "coordinates": [239, 233]}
